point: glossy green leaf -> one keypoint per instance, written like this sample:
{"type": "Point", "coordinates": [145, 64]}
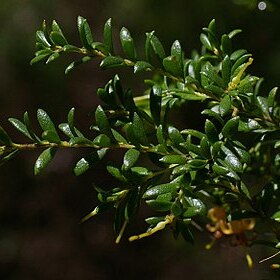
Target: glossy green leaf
{"type": "Point", "coordinates": [107, 35]}
{"type": "Point", "coordinates": [40, 37]}
{"type": "Point", "coordinates": [65, 128]}
{"type": "Point", "coordinates": [127, 44]}
{"type": "Point", "coordinates": [141, 66]}
{"type": "Point", "coordinates": [76, 63]}
{"type": "Point", "coordinates": [206, 42]}
{"type": "Point", "coordinates": [51, 136]}
{"type": "Point", "coordinates": [174, 159]}
{"type": "Point", "coordinates": [211, 132]}
{"type": "Point", "coordinates": [246, 125]}
{"type": "Point", "coordinates": [205, 148]}
{"type": "Point", "coordinates": [237, 54]}
{"type": "Point", "coordinates": [89, 161]}
{"type": "Point", "coordinates": [157, 47]}
{"type": "Point", "coordinates": [116, 172]}
{"type": "Point", "coordinates": [225, 105]}
{"type": "Point", "coordinates": [21, 127]}
{"type": "Point", "coordinates": [172, 65]}
{"type": "Point", "coordinates": [159, 205]}
{"type": "Point", "coordinates": [130, 158]}
{"type": "Point", "coordinates": [195, 164]}
{"type": "Point", "coordinates": [175, 136]}
{"type": "Point", "coordinates": [102, 140]}
{"type": "Point", "coordinates": [231, 127]}
{"type": "Point", "coordinates": [210, 73]}
{"type": "Point", "coordinates": [38, 58]}
{"type": "Point", "coordinates": [58, 39]}
{"type": "Point", "coordinates": [102, 122]}
{"type": "Point", "coordinates": [46, 122]}
{"type": "Point", "coordinates": [226, 69]}
{"type": "Point", "coordinates": [44, 159]}
{"type": "Point", "coordinates": [111, 61]}
{"type": "Point", "coordinates": [52, 57]}
{"type": "Point", "coordinates": [262, 104]}
{"type": "Point", "coordinates": [176, 50]}
{"type": "Point", "coordinates": [226, 44]}
{"type": "Point", "coordinates": [155, 191]}
{"type": "Point", "coordinates": [231, 160]}
{"type": "Point", "coordinates": [85, 33]}
{"type": "Point", "coordinates": [139, 130]}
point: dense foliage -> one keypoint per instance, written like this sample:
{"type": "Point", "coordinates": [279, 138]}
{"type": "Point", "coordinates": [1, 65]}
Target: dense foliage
{"type": "Point", "coordinates": [224, 177]}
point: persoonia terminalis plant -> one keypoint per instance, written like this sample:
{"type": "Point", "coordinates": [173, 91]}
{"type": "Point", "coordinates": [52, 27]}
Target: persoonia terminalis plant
{"type": "Point", "coordinates": [224, 177]}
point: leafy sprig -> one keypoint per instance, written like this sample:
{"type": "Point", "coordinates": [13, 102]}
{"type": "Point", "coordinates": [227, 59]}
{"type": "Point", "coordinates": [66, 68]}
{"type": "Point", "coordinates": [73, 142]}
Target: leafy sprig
{"type": "Point", "coordinates": [193, 171]}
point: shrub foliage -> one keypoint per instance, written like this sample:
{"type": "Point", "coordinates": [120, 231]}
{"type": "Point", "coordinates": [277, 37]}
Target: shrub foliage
{"type": "Point", "coordinates": [224, 177]}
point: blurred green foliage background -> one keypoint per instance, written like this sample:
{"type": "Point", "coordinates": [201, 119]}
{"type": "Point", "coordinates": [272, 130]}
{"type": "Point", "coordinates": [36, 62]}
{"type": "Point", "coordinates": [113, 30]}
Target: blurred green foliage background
{"type": "Point", "coordinates": [40, 235]}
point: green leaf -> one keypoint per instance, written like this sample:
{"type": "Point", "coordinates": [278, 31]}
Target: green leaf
{"type": "Point", "coordinates": [116, 172]}
{"type": "Point", "coordinates": [231, 127]}
{"type": "Point", "coordinates": [237, 54]}
{"type": "Point", "coordinates": [127, 44]}
{"type": "Point", "coordinates": [246, 125]}
{"type": "Point", "coordinates": [65, 128]}
{"type": "Point", "coordinates": [175, 136]}
{"type": "Point", "coordinates": [85, 32]}
{"type": "Point", "coordinates": [139, 130]}
{"type": "Point", "coordinates": [206, 42]}
{"type": "Point", "coordinates": [159, 205]}
{"type": "Point", "coordinates": [226, 69]}
{"type": "Point", "coordinates": [107, 35]}
{"type": "Point", "coordinates": [211, 132]}
{"type": "Point", "coordinates": [196, 164]}
{"type": "Point", "coordinates": [46, 122]}
{"type": "Point", "coordinates": [111, 61]}
{"type": "Point", "coordinates": [231, 160]}
{"type": "Point", "coordinates": [88, 161]}
{"type": "Point", "coordinates": [102, 122]}
{"type": "Point", "coordinates": [174, 159]}
{"type": "Point", "coordinates": [205, 148]}
{"type": "Point", "coordinates": [157, 46]}
{"type": "Point", "coordinates": [210, 73]}
{"type": "Point", "coordinates": [102, 140]}
{"type": "Point", "coordinates": [44, 159]}
{"type": "Point", "coordinates": [225, 105]}
{"type": "Point", "coordinates": [172, 65]}
{"type": "Point", "coordinates": [21, 127]}
{"type": "Point", "coordinates": [80, 141]}
{"type": "Point", "coordinates": [141, 66]}
{"type": "Point", "coordinates": [262, 103]}
{"type": "Point", "coordinates": [40, 37]}
{"type": "Point", "coordinates": [4, 137]}
{"type": "Point", "coordinates": [38, 58]}
{"type": "Point", "coordinates": [130, 158]}
{"type": "Point", "coordinates": [76, 63]}
{"type": "Point", "coordinates": [176, 50]}
{"type": "Point", "coordinates": [52, 57]}
{"type": "Point", "coordinates": [226, 44]}
{"type": "Point", "coordinates": [155, 191]}
{"type": "Point", "coordinates": [51, 136]}
{"type": "Point", "coordinates": [58, 39]}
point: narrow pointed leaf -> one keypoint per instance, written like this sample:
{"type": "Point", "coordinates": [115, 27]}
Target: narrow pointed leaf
{"type": "Point", "coordinates": [127, 44]}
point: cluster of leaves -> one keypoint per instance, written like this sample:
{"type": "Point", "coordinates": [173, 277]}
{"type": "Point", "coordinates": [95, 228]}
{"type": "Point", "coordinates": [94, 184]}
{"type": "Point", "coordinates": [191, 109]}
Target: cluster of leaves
{"type": "Point", "coordinates": [232, 162]}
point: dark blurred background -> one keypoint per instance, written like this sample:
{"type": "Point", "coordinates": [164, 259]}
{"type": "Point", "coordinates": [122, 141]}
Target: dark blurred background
{"type": "Point", "coordinates": [40, 234]}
